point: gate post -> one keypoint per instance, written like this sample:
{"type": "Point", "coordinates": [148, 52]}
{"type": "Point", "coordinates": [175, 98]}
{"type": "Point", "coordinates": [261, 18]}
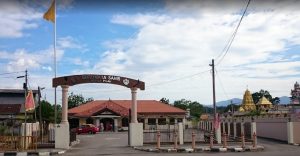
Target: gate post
{"type": "Point", "coordinates": [136, 129]}
{"type": "Point", "coordinates": [62, 133]}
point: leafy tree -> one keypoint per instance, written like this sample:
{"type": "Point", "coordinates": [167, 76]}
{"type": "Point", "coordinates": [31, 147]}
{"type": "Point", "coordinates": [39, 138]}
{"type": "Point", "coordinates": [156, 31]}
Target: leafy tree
{"type": "Point", "coordinates": [164, 100]}
{"type": "Point", "coordinates": [75, 100]}
{"type": "Point", "coordinates": [48, 112]}
{"type": "Point", "coordinates": [182, 104]}
{"type": "Point", "coordinates": [275, 101]}
{"type": "Point", "coordinates": [196, 109]}
{"type": "Point", "coordinates": [258, 95]}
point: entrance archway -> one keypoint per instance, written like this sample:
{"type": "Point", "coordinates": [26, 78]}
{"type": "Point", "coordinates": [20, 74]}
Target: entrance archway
{"type": "Point", "coordinates": [62, 131]}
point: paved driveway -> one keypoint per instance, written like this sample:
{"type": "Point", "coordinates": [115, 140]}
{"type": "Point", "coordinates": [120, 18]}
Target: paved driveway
{"type": "Point", "coordinates": [116, 144]}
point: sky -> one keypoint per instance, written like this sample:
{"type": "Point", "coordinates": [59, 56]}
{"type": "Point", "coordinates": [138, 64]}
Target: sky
{"type": "Point", "coordinates": [167, 44]}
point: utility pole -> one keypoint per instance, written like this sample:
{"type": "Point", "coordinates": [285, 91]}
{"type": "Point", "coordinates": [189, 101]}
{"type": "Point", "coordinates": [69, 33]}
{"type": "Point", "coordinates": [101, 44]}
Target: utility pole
{"type": "Point", "coordinates": [217, 128]}
{"type": "Point", "coordinates": [40, 112]}
{"type": "Point", "coordinates": [214, 89]}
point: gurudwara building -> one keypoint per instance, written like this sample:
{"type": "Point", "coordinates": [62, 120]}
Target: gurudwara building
{"type": "Point", "coordinates": [248, 104]}
{"type": "Point", "coordinates": [114, 114]}
{"type": "Point", "coordinates": [295, 94]}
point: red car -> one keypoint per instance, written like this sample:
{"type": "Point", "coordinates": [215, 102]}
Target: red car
{"type": "Point", "coordinates": [87, 128]}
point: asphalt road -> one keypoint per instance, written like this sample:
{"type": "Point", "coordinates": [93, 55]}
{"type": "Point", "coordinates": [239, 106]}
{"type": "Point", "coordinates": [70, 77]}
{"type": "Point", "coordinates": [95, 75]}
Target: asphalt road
{"type": "Point", "coordinates": [116, 144]}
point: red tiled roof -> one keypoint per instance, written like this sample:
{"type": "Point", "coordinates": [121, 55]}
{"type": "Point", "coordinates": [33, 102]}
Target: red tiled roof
{"type": "Point", "coordinates": [122, 107]}
{"type": "Point", "coordinates": [10, 108]}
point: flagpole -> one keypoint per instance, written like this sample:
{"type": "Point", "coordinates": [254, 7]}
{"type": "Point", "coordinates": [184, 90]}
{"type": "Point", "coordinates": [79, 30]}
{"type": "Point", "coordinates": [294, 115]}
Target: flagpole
{"type": "Point", "coordinates": [55, 66]}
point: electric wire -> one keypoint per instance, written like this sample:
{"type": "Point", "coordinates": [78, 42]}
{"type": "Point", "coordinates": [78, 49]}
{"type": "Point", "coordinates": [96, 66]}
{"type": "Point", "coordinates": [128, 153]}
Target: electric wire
{"type": "Point", "coordinates": [230, 41]}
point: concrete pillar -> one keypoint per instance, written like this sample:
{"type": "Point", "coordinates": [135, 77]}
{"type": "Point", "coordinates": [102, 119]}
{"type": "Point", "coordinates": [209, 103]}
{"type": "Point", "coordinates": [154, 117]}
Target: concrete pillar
{"type": "Point", "coordinates": [180, 133]}
{"type": "Point", "coordinates": [290, 132]}
{"type": "Point", "coordinates": [228, 129]}
{"type": "Point", "coordinates": [175, 120]}
{"type": "Point", "coordinates": [115, 124]}
{"type": "Point", "coordinates": [253, 129]}
{"type": "Point", "coordinates": [218, 134]}
{"type": "Point", "coordinates": [224, 127]}
{"type": "Point", "coordinates": [242, 128]}
{"type": "Point", "coordinates": [97, 122]}
{"type": "Point", "coordinates": [234, 129]}
{"type": "Point", "coordinates": [62, 133]}
{"type": "Point", "coordinates": [64, 118]}
{"type": "Point", "coordinates": [133, 105]}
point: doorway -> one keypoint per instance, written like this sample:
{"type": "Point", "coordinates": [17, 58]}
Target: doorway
{"type": "Point", "coordinates": [108, 124]}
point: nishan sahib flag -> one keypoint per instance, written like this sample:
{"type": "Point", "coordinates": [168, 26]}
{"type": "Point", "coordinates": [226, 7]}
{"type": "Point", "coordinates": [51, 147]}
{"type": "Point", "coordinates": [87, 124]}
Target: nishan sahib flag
{"type": "Point", "coordinates": [50, 14]}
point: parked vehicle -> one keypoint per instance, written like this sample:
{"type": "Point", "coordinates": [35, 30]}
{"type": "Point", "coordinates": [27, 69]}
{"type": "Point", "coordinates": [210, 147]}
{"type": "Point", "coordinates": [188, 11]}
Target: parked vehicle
{"type": "Point", "coordinates": [87, 128]}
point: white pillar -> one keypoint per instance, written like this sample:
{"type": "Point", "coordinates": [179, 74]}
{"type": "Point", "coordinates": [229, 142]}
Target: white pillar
{"type": "Point", "coordinates": [228, 128]}
{"type": "Point", "coordinates": [218, 134]}
{"type": "Point", "coordinates": [242, 128]}
{"type": "Point", "coordinates": [64, 118]}
{"type": "Point", "coordinates": [133, 106]}
{"type": "Point", "coordinates": [97, 122]}
{"type": "Point", "coordinates": [253, 129]}
{"type": "Point", "coordinates": [116, 124]}
{"type": "Point", "coordinates": [290, 132]}
{"type": "Point", "coordinates": [135, 128]}
{"type": "Point", "coordinates": [180, 133]}
{"type": "Point", "coordinates": [62, 132]}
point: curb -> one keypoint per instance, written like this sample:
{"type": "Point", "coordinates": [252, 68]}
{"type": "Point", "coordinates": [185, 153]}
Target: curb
{"type": "Point", "coordinates": [199, 150]}
{"type": "Point", "coordinates": [31, 153]}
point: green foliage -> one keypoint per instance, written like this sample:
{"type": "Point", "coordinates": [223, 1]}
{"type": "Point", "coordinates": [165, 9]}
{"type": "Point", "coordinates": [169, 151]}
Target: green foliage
{"type": "Point", "coordinates": [258, 95]}
{"type": "Point", "coordinates": [254, 113]}
{"type": "Point", "coordinates": [196, 108]}
{"type": "Point", "coordinates": [231, 107]}
{"type": "Point", "coordinates": [164, 100]}
{"type": "Point", "coordinates": [75, 100]}
{"type": "Point", "coordinates": [48, 111]}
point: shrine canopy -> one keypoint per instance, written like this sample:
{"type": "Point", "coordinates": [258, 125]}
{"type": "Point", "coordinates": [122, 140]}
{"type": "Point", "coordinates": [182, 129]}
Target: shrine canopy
{"type": "Point", "coordinates": [72, 80]}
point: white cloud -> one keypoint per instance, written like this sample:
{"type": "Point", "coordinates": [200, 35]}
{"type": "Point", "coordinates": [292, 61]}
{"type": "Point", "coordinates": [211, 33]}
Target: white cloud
{"type": "Point", "coordinates": [15, 17]}
{"type": "Point", "coordinates": [172, 45]}
{"type": "Point", "coordinates": [71, 43]}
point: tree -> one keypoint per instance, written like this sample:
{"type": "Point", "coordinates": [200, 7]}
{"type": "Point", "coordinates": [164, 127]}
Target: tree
{"type": "Point", "coordinates": [258, 95]}
{"type": "Point", "coordinates": [164, 100]}
{"type": "Point", "coordinates": [182, 104]}
{"type": "Point", "coordinates": [75, 100]}
{"type": "Point", "coordinates": [47, 111]}
{"type": "Point", "coordinates": [196, 109]}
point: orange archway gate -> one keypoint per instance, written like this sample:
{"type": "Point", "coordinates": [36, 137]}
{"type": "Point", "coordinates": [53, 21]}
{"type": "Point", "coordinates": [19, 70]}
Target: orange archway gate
{"type": "Point", "coordinates": [62, 131]}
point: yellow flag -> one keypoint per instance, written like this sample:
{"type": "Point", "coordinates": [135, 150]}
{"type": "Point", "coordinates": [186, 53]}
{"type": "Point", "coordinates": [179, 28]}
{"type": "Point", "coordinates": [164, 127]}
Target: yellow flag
{"type": "Point", "coordinates": [50, 14]}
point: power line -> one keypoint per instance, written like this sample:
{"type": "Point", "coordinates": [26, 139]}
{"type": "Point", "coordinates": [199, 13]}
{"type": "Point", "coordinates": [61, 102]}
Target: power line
{"type": "Point", "coordinates": [181, 78]}
{"type": "Point", "coordinates": [11, 73]}
{"type": "Point", "coordinates": [222, 85]}
{"type": "Point", "coordinates": [230, 41]}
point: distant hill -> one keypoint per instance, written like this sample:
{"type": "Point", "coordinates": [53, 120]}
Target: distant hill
{"type": "Point", "coordinates": [284, 100]}
{"type": "Point", "coordinates": [227, 102]}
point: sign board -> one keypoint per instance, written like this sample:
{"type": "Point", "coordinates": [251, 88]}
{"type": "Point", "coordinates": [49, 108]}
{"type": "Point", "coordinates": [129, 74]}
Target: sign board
{"type": "Point", "coordinates": [92, 78]}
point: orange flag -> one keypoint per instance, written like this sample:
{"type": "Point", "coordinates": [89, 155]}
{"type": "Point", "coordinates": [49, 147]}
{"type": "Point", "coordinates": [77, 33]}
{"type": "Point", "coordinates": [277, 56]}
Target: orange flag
{"type": "Point", "coordinates": [29, 103]}
{"type": "Point", "coordinates": [50, 14]}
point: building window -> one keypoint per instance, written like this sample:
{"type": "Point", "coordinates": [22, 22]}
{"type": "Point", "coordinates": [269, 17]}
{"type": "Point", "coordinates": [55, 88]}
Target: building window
{"type": "Point", "coordinates": [179, 120]}
{"type": "Point", "coordinates": [151, 121]}
{"type": "Point", "coordinates": [89, 121]}
{"type": "Point", "coordinates": [162, 121]}
{"type": "Point", "coordinates": [125, 122]}
{"type": "Point", "coordinates": [172, 121]}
